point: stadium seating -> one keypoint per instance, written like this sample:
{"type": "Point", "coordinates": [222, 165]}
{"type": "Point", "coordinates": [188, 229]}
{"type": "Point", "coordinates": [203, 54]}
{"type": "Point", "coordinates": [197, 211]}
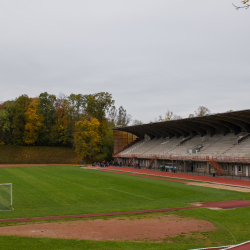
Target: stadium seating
{"type": "Point", "coordinates": [217, 145]}
{"type": "Point", "coordinates": [203, 143]}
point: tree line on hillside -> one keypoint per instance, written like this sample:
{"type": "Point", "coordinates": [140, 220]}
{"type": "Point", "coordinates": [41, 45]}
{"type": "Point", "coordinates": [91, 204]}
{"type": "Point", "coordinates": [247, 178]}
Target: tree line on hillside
{"type": "Point", "coordinates": [82, 121]}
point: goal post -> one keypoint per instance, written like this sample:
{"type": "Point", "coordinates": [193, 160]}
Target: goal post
{"type": "Point", "coordinates": [6, 200]}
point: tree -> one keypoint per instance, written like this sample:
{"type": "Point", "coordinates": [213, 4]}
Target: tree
{"type": "Point", "coordinates": [112, 115]}
{"type": "Point", "coordinates": [46, 107]}
{"type": "Point", "coordinates": [18, 122]}
{"type": "Point", "coordinates": [5, 126]}
{"type": "Point", "coordinates": [137, 122]}
{"type": "Point", "coordinates": [106, 143]}
{"type": "Point", "coordinates": [169, 116]}
{"type": "Point", "coordinates": [12, 121]}
{"type": "Point", "coordinates": [176, 117]}
{"type": "Point", "coordinates": [76, 106]}
{"type": "Point", "coordinates": [97, 105]}
{"type": "Point", "coordinates": [87, 138]}
{"type": "Point", "coordinates": [34, 123]}
{"type": "Point", "coordinates": [61, 131]}
{"type": "Point", "coordinates": [123, 119]}
{"type": "Point", "coordinates": [202, 111]}
{"type": "Point", "coordinates": [245, 6]}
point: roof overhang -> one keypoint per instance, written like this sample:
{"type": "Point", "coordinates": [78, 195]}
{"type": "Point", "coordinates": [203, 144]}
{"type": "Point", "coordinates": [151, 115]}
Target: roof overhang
{"type": "Point", "coordinates": [223, 123]}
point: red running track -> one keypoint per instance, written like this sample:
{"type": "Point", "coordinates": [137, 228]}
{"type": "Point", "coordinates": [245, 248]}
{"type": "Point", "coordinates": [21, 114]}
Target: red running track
{"type": "Point", "coordinates": [142, 175]}
{"type": "Point", "coordinates": [219, 204]}
{"type": "Point", "coordinates": [242, 246]}
{"type": "Point", "coordinates": [231, 182]}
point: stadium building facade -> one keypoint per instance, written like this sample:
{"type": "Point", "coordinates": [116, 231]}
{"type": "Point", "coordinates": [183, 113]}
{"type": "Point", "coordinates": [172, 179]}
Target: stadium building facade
{"type": "Point", "coordinates": [216, 144]}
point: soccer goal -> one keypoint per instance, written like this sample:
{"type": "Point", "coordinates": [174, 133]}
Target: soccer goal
{"type": "Point", "coordinates": [6, 197]}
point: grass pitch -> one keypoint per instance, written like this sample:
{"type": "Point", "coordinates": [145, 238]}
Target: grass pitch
{"type": "Point", "coordinates": [64, 190]}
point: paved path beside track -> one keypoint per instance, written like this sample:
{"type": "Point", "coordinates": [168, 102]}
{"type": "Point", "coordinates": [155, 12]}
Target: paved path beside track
{"type": "Point", "coordinates": [231, 182]}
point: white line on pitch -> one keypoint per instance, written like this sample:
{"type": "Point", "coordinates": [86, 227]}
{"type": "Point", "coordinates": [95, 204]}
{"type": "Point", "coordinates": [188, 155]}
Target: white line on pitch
{"type": "Point", "coordinates": [130, 193]}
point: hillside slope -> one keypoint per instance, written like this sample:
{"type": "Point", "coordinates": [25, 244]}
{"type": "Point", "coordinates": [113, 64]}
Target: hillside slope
{"type": "Point", "coordinates": [37, 154]}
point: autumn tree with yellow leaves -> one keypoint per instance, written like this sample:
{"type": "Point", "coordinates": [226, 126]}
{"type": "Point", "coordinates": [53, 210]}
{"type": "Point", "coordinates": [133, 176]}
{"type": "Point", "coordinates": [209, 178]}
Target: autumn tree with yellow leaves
{"type": "Point", "coordinates": [87, 138]}
{"type": "Point", "coordinates": [34, 123]}
{"type": "Point", "coordinates": [245, 5]}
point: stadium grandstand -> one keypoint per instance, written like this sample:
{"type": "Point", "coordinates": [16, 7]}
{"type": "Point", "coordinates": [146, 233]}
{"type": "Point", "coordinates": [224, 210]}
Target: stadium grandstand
{"type": "Point", "coordinates": [216, 144]}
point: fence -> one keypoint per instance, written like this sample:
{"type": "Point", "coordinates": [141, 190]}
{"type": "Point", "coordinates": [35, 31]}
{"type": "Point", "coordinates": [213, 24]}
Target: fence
{"type": "Point", "coordinates": [225, 175]}
{"type": "Point", "coordinates": [202, 173]}
{"type": "Point", "coordinates": [191, 157]}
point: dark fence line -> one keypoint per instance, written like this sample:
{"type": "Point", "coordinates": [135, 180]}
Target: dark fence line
{"type": "Point", "coordinates": [203, 173]}
{"type": "Point", "coordinates": [194, 158]}
{"type": "Point", "coordinates": [225, 175]}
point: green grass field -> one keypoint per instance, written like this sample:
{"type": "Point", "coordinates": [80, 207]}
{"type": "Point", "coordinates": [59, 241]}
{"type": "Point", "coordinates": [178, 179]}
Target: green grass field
{"type": "Point", "coordinates": [63, 190]}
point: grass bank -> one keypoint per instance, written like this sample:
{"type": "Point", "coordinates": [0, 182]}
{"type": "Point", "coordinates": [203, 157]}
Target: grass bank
{"type": "Point", "coordinates": [37, 155]}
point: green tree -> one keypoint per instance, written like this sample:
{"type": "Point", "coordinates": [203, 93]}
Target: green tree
{"type": "Point", "coordinates": [106, 143]}
{"type": "Point", "coordinates": [97, 105]}
{"type": "Point", "coordinates": [46, 107]}
{"type": "Point", "coordinates": [12, 120]}
{"type": "Point", "coordinates": [5, 126]}
{"type": "Point", "coordinates": [19, 114]}
{"type": "Point", "coordinates": [77, 105]}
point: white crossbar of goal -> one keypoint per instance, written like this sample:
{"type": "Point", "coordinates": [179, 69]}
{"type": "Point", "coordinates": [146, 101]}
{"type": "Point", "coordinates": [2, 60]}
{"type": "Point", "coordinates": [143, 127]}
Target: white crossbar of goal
{"type": "Point", "coordinates": [6, 197]}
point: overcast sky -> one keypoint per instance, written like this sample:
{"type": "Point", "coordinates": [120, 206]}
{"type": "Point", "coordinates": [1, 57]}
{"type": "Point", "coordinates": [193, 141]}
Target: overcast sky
{"type": "Point", "coordinates": [152, 55]}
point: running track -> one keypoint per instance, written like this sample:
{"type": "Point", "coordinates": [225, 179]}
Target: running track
{"type": "Point", "coordinates": [242, 246]}
{"type": "Point", "coordinates": [231, 182]}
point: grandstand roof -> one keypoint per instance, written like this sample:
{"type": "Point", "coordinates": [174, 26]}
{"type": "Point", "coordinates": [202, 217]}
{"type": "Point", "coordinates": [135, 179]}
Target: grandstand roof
{"type": "Point", "coordinates": [221, 123]}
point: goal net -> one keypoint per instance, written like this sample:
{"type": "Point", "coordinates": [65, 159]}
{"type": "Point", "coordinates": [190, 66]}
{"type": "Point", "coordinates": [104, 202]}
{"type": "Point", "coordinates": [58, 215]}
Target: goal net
{"type": "Point", "coordinates": [6, 197]}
